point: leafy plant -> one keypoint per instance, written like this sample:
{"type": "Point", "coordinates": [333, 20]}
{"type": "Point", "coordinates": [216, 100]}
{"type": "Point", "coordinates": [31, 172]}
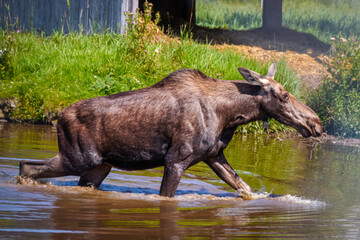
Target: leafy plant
{"type": "Point", "coordinates": [141, 28]}
{"type": "Point", "coordinates": [338, 99]}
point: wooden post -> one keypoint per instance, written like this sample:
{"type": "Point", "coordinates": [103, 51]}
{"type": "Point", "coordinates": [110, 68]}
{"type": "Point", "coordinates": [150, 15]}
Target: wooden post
{"type": "Point", "coordinates": [130, 6]}
{"type": "Point", "coordinates": [272, 15]}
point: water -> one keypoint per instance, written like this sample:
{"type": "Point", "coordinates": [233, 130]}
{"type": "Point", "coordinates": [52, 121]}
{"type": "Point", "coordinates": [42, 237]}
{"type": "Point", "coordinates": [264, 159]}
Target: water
{"type": "Point", "coordinates": [320, 181]}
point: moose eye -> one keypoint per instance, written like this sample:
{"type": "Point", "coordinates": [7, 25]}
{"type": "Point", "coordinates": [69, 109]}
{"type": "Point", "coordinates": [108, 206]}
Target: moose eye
{"type": "Point", "coordinates": [285, 96]}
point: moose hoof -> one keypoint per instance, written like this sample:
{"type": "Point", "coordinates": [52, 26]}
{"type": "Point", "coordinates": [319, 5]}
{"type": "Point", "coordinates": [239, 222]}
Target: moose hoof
{"type": "Point", "coordinates": [87, 184]}
{"type": "Point", "coordinates": [246, 195]}
{"type": "Point", "coordinates": [30, 169]}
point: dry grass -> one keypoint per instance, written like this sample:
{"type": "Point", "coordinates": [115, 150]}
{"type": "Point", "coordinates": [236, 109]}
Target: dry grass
{"type": "Point", "coordinates": [309, 69]}
{"type": "Point", "coordinates": [302, 52]}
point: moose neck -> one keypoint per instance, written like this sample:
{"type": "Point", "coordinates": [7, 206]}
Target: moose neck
{"type": "Point", "coordinates": [240, 103]}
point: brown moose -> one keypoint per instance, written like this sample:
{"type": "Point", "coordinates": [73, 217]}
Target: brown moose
{"type": "Point", "coordinates": [185, 118]}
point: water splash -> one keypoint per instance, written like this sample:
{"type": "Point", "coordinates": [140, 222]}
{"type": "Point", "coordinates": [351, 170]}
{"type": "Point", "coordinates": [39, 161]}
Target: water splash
{"type": "Point", "coordinates": [261, 198]}
{"type": "Point", "coordinates": [300, 201]}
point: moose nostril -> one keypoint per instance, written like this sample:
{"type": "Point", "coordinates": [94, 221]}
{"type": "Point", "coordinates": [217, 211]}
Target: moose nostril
{"type": "Point", "coordinates": [317, 130]}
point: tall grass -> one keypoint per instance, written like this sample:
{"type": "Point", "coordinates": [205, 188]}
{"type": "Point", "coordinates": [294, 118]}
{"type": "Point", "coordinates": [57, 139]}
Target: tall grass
{"type": "Point", "coordinates": [42, 74]}
{"type": "Point", "coordinates": [239, 14]}
{"type": "Point", "coordinates": [321, 18]}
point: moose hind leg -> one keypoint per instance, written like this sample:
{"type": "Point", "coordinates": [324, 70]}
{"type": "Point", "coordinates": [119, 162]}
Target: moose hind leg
{"type": "Point", "coordinates": [42, 169]}
{"type": "Point", "coordinates": [95, 176]}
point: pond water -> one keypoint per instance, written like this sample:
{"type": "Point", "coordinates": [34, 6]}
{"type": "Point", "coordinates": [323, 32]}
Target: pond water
{"type": "Point", "coordinates": [320, 181]}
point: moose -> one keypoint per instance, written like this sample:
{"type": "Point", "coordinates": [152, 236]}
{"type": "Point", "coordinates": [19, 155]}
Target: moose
{"type": "Point", "coordinates": [182, 120]}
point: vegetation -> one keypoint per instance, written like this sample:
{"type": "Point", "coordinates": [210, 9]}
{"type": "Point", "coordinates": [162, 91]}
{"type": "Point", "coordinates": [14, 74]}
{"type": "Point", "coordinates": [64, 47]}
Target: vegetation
{"type": "Point", "coordinates": [338, 99]}
{"type": "Point", "coordinates": [40, 75]}
{"type": "Point", "coordinates": [323, 19]}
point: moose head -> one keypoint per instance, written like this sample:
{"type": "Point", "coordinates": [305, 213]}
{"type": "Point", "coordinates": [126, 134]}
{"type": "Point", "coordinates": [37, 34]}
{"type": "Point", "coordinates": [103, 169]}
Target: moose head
{"type": "Point", "coordinates": [279, 104]}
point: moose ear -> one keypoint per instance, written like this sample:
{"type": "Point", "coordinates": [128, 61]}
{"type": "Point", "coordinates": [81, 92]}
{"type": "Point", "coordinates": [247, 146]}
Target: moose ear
{"type": "Point", "coordinates": [253, 77]}
{"type": "Point", "coordinates": [271, 71]}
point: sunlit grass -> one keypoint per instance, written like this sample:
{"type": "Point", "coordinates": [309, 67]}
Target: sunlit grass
{"type": "Point", "coordinates": [323, 19]}
{"type": "Point", "coordinates": [239, 15]}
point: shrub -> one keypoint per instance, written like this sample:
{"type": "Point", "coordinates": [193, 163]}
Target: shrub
{"type": "Point", "coordinates": [141, 29]}
{"type": "Point", "coordinates": [338, 99]}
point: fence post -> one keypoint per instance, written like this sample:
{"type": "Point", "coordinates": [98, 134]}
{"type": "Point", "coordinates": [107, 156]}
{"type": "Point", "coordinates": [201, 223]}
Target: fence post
{"type": "Point", "coordinates": [272, 15]}
{"type": "Point", "coordinates": [71, 15]}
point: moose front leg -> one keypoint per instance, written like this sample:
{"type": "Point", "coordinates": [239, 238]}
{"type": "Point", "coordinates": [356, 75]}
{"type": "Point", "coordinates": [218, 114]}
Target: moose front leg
{"type": "Point", "coordinates": [223, 169]}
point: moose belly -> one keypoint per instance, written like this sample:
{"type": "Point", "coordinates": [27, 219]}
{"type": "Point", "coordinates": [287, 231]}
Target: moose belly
{"type": "Point", "coordinates": [136, 159]}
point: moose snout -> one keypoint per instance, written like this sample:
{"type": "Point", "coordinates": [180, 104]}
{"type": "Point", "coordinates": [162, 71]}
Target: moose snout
{"type": "Point", "coordinates": [310, 123]}
{"type": "Point", "coordinates": [314, 127]}
{"type": "Point", "coordinates": [316, 130]}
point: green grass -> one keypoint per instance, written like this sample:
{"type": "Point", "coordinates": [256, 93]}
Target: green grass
{"type": "Point", "coordinates": [233, 14]}
{"type": "Point", "coordinates": [323, 19]}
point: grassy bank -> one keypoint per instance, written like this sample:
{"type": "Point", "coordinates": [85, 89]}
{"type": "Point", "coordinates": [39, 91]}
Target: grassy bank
{"type": "Point", "coordinates": [323, 19]}
{"type": "Point", "coordinates": [40, 75]}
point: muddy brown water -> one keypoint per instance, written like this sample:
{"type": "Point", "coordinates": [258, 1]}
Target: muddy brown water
{"type": "Point", "coordinates": [320, 181]}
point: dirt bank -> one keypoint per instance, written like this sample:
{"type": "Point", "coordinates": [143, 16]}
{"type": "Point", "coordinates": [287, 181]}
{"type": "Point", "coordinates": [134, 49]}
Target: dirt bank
{"type": "Point", "coordinates": [303, 52]}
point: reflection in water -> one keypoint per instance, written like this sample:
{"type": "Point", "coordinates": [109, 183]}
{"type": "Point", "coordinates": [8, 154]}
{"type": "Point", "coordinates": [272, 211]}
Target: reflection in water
{"type": "Point", "coordinates": [127, 204]}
